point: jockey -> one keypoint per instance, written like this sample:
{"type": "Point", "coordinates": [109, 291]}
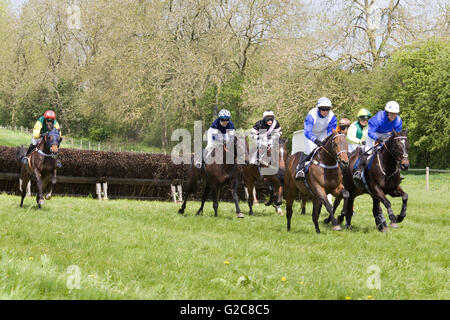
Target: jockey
{"type": "Point", "coordinates": [319, 124]}
{"type": "Point", "coordinates": [344, 123]}
{"type": "Point", "coordinates": [383, 123]}
{"type": "Point", "coordinates": [264, 132]}
{"type": "Point", "coordinates": [221, 131]}
{"type": "Point", "coordinates": [357, 132]}
{"type": "Point", "coordinates": [40, 128]}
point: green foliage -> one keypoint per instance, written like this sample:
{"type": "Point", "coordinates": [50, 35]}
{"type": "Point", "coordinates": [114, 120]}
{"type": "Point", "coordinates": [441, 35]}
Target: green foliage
{"type": "Point", "coordinates": [418, 78]}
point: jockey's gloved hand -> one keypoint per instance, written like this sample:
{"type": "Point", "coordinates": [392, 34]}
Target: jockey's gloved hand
{"type": "Point", "coordinates": [318, 143]}
{"type": "Point", "coordinates": [363, 143]}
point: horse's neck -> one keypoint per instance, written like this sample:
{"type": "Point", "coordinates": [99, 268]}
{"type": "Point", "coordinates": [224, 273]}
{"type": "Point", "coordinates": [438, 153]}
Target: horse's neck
{"type": "Point", "coordinates": [325, 154]}
{"type": "Point", "coordinates": [387, 161]}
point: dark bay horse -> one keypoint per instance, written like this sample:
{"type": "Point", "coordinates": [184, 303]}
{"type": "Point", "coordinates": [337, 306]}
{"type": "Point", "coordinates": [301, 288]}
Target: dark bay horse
{"type": "Point", "coordinates": [216, 175]}
{"type": "Point", "coordinates": [251, 173]}
{"type": "Point", "coordinates": [382, 177]}
{"type": "Point", "coordinates": [323, 177]}
{"type": "Point", "coordinates": [41, 166]}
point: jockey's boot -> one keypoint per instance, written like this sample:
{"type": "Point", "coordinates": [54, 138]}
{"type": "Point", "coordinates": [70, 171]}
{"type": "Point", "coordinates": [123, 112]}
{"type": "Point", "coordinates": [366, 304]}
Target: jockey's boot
{"type": "Point", "coordinates": [24, 159]}
{"type": "Point", "coordinates": [59, 164]}
{"type": "Point", "coordinates": [357, 175]}
{"type": "Point", "coordinates": [300, 173]}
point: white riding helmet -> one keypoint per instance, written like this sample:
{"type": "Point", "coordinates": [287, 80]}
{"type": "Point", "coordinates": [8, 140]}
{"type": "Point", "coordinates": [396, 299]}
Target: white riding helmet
{"type": "Point", "coordinates": [324, 102]}
{"type": "Point", "coordinates": [392, 106]}
{"type": "Point", "coordinates": [268, 114]}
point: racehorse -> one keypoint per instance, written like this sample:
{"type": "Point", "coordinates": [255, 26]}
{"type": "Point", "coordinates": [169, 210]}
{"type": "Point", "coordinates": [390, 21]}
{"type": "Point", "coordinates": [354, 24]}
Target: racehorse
{"type": "Point", "coordinates": [251, 173]}
{"type": "Point", "coordinates": [380, 178]}
{"type": "Point", "coordinates": [216, 176]}
{"type": "Point", "coordinates": [41, 166]}
{"type": "Point", "coordinates": [324, 176]}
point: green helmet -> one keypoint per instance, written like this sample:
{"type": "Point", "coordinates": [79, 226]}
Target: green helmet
{"type": "Point", "coordinates": [363, 113]}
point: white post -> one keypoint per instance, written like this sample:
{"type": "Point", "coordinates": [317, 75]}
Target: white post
{"type": "Point", "coordinates": [105, 190]}
{"type": "Point", "coordinates": [98, 190]}
{"type": "Point", "coordinates": [427, 178]}
{"type": "Point", "coordinates": [173, 192]}
{"type": "Point", "coordinates": [180, 192]}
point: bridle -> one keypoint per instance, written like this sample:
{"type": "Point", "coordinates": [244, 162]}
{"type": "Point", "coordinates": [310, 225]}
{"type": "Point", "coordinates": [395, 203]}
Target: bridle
{"type": "Point", "coordinates": [396, 158]}
{"type": "Point", "coordinates": [333, 143]}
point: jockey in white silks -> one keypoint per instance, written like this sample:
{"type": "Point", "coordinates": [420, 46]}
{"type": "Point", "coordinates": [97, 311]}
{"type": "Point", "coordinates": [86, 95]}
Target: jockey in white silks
{"type": "Point", "coordinates": [264, 133]}
{"type": "Point", "coordinates": [319, 124]}
{"type": "Point", "coordinates": [221, 131]}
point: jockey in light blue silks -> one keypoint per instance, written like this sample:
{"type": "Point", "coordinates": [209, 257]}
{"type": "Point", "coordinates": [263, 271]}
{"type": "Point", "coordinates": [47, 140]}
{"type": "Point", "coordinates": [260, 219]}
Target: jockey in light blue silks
{"type": "Point", "coordinates": [383, 123]}
{"type": "Point", "coordinates": [221, 131]}
{"type": "Point", "coordinates": [319, 124]}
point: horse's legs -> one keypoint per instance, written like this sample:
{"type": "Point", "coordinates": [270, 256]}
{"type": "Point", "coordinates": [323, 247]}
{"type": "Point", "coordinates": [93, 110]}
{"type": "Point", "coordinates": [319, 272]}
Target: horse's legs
{"type": "Point", "coordinates": [48, 196]}
{"type": "Point", "coordinates": [336, 203]}
{"type": "Point", "coordinates": [348, 211]}
{"type": "Point", "coordinates": [40, 195]}
{"type": "Point", "coordinates": [397, 193]}
{"type": "Point", "coordinates": [271, 192]}
{"type": "Point", "coordinates": [380, 194]}
{"type": "Point", "coordinates": [250, 186]}
{"type": "Point", "coordinates": [304, 199]}
{"type": "Point", "coordinates": [215, 193]}
{"type": "Point", "coordinates": [25, 179]}
{"type": "Point", "coordinates": [204, 195]}
{"type": "Point", "coordinates": [279, 200]}
{"type": "Point", "coordinates": [324, 200]}
{"type": "Point", "coordinates": [316, 211]}
{"type": "Point", "coordinates": [236, 198]}
{"type": "Point", "coordinates": [290, 197]}
{"type": "Point", "coordinates": [380, 222]}
{"type": "Point", "coordinates": [190, 188]}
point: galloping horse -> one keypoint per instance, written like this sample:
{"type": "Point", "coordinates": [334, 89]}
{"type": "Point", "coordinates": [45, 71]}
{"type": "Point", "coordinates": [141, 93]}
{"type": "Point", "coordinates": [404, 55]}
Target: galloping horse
{"type": "Point", "coordinates": [41, 166]}
{"type": "Point", "coordinates": [381, 177]}
{"type": "Point", "coordinates": [216, 176]}
{"type": "Point", "coordinates": [251, 173]}
{"type": "Point", "coordinates": [323, 177]}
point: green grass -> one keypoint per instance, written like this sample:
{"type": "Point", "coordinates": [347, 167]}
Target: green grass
{"type": "Point", "coordinates": [145, 250]}
{"type": "Point", "coordinates": [11, 138]}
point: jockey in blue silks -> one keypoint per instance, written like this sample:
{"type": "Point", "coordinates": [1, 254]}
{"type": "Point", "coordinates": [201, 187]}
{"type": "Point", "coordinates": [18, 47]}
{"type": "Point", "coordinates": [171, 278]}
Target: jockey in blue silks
{"type": "Point", "coordinates": [221, 131]}
{"type": "Point", "coordinates": [383, 123]}
{"type": "Point", "coordinates": [319, 124]}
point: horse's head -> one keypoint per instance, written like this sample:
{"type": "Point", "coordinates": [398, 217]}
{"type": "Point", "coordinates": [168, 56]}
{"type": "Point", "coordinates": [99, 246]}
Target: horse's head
{"type": "Point", "coordinates": [398, 146]}
{"type": "Point", "coordinates": [337, 145]}
{"type": "Point", "coordinates": [53, 140]}
{"type": "Point", "coordinates": [283, 152]}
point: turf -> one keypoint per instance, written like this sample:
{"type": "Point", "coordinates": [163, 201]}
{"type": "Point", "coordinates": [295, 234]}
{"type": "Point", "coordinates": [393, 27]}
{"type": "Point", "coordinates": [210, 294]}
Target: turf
{"type": "Point", "coordinates": [80, 248]}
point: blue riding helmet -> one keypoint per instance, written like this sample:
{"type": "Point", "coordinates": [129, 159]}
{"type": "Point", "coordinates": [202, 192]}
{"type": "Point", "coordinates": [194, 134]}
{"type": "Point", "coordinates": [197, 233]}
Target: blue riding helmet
{"type": "Point", "coordinates": [224, 114]}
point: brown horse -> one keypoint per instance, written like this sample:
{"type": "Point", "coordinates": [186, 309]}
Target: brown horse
{"type": "Point", "coordinates": [251, 173]}
{"type": "Point", "coordinates": [41, 166]}
{"type": "Point", "coordinates": [323, 177]}
{"type": "Point", "coordinates": [216, 176]}
{"type": "Point", "coordinates": [382, 177]}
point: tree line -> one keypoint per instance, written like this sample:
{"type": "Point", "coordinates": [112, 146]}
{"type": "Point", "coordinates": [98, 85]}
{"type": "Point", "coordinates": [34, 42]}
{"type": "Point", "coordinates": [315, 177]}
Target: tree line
{"type": "Point", "coordinates": [136, 70]}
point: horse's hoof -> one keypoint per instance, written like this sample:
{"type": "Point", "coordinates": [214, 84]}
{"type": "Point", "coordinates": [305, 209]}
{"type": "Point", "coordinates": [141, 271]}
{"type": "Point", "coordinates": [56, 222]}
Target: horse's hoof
{"type": "Point", "coordinates": [327, 220]}
{"type": "Point", "coordinates": [348, 227]}
{"type": "Point", "coordinates": [41, 202]}
{"type": "Point", "coordinates": [280, 212]}
{"type": "Point", "coordinates": [48, 197]}
{"type": "Point", "coordinates": [337, 228]}
{"type": "Point", "coordinates": [393, 225]}
{"type": "Point", "coordinates": [384, 229]}
{"type": "Point", "coordinates": [399, 218]}
{"type": "Point", "coordinates": [240, 215]}
{"type": "Point", "coordinates": [180, 211]}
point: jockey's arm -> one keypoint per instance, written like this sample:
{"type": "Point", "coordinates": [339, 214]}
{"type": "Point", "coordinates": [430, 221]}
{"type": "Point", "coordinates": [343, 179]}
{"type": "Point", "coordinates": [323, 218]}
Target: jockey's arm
{"type": "Point", "coordinates": [37, 130]}
{"type": "Point", "coordinates": [308, 127]}
{"type": "Point", "coordinates": [332, 125]}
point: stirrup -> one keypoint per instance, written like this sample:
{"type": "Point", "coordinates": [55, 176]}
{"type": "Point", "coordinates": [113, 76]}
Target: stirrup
{"type": "Point", "coordinates": [24, 160]}
{"type": "Point", "coordinates": [59, 164]}
{"type": "Point", "coordinates": [300, 174]}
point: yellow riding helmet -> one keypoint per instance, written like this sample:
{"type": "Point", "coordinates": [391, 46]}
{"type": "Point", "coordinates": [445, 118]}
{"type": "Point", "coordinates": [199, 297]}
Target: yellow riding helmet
{"type": "Point", "coordinates": [364, 113]}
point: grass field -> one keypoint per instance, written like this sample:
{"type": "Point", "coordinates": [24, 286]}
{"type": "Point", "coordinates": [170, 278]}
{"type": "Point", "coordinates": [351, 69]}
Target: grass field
{"type": "Point", "coordinates": [77, 248]}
